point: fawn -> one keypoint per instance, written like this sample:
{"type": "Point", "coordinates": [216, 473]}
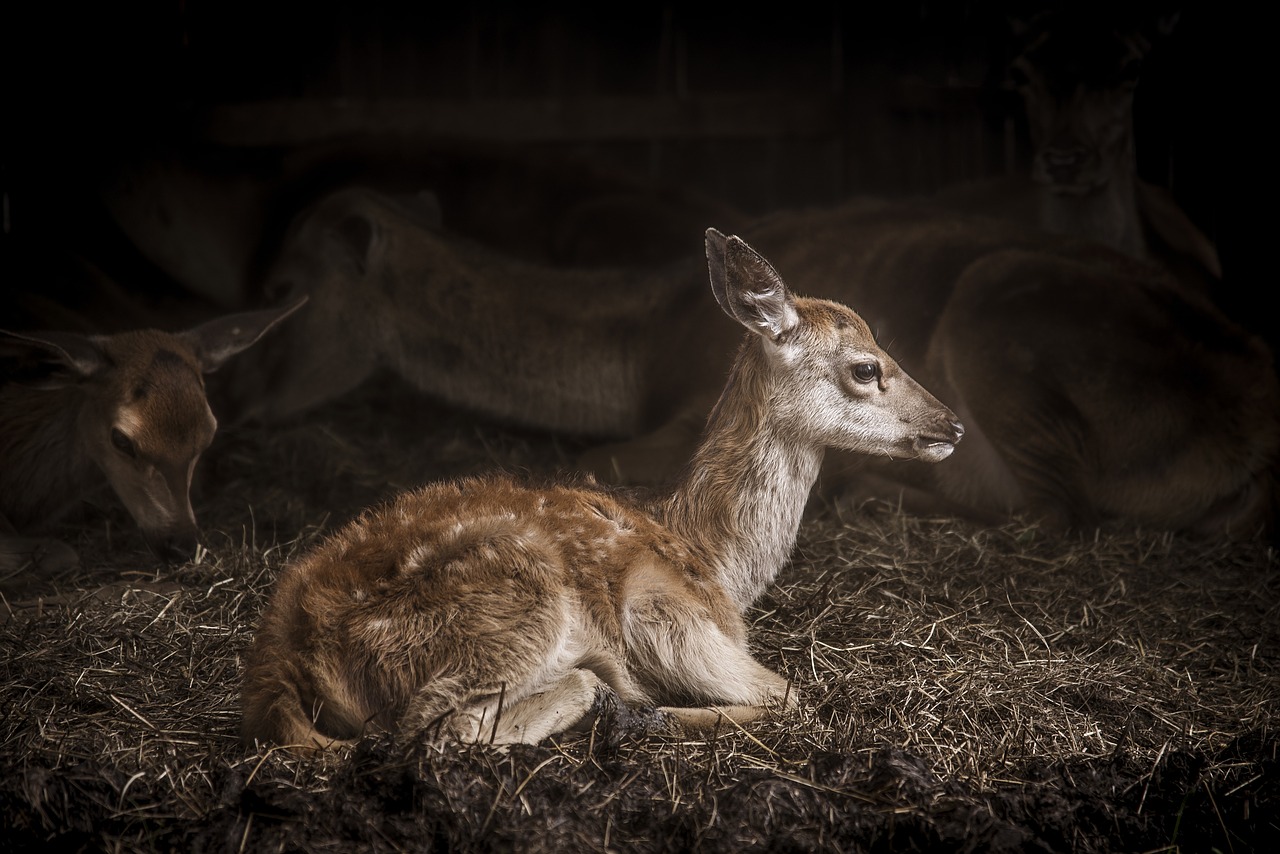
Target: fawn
{"type": "Point", "coordinates": [130, 406]}
{"type": "Point", "coordinates": [484, 609]}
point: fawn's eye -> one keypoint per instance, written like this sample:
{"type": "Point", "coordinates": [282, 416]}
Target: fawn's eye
{"type": "Point", "coordinates": [123, 443]}
{"type": "Point", "coordinates": [865, 372]}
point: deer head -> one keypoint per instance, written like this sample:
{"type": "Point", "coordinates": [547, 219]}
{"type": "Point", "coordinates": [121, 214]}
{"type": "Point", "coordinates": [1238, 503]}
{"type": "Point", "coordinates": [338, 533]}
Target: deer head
{"type": "Point", "coordinates": [1077, 75]}
{"type": "Point", "coordinates": [136, 408]}
{"type": "Point", "coordinates": [844, 390]}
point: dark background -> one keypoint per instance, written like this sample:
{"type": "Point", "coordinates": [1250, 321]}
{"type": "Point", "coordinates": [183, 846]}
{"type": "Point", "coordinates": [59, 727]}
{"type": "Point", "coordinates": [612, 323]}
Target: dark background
{"type": "Point", "coordinates": [765, 107]}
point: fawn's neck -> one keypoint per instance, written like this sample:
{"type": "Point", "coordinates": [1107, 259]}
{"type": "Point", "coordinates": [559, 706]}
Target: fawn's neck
{"type": "Point", "coordinates": [742, 497]}
{"type": "Point", "coordinates": [44, 469]}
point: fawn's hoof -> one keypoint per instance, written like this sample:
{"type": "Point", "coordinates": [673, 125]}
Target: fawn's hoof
{"type": "Point", "coordinates": [617, 721]}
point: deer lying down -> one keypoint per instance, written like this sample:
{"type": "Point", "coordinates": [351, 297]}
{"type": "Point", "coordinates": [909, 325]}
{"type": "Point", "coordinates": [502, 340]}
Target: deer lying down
{"type": "Point", "coordinates": [208, 219]}
{"type": "Point", "coordinates": [487, 610]}
{"type": "Point", "coordinates": [130, 406]}
{"type": "Point", "coordinates": [582, 351]}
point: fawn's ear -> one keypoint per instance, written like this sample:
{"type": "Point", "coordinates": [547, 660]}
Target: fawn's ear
{"type": "Point", "coordinates": [79, 354]}
{"type": "Point", "coordinates": [218, 340]}
{"type": "Point", "coordinates": [748, 288]}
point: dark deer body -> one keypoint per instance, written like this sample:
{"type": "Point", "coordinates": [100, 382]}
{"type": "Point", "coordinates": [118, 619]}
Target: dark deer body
{"type": "Point", "coordinates": [210, 222]}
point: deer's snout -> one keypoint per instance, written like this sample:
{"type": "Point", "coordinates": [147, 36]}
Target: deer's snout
{"type": "Point", "coordinates": [937, 444]}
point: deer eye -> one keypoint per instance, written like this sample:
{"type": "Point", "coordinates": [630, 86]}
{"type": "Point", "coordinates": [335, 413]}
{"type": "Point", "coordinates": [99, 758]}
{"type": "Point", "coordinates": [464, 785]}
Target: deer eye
{"type": "Point", "coordinates": [865, 372]}
{"type": "Point", "coordinates": [123, 443]}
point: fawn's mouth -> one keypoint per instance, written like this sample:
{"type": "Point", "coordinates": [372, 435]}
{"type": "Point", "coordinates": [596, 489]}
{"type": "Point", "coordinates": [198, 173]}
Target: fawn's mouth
{"type": "Point", "coordinates": [933, 451]}
{"type": "Point", "coordinates": [936, 448]}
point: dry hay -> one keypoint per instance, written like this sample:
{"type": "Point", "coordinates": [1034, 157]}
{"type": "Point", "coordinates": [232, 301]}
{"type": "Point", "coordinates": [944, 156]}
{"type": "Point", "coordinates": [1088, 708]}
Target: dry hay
{"type": "Point", "coordinates": [963, 689]}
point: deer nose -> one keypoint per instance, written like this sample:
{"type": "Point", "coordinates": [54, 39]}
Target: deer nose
{"type": "Point", "coordinates": [957, 431]}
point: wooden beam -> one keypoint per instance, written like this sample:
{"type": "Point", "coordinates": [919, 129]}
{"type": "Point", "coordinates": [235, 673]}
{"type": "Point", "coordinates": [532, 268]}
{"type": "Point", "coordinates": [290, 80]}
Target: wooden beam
{"type": "Point", "coordinates": [292, 122]}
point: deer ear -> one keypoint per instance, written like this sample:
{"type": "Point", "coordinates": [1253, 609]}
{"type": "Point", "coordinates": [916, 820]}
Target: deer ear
{"type": "Point", "coordinates": [82, 355]}
{"type": "Point", "coordinates": [747, 287]}
{"type": "Point", "coordinates": [1018, 23]}
{"type": "Point", "coordinates": [716, 245]}
{"type": "Point", "coordinates": [1165, 23]}
{"type": "Point", "coordinates": [218, 340]}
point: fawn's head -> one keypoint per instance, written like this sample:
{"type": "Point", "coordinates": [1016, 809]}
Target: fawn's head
{"type": "Point", "coordinates": [142, 416]}
{"type": "Point", "coordinates": [838, 387]}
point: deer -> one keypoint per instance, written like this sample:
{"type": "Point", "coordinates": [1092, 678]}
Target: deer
{"type": "Point", "coordinates": [1097, 391]}
{"type": "Point", "coordinates": [1077, 72]}
{"type": "Point", "coordinates": [209, 219]}
{"type": "Point", "coordinates": [496, 611]}
{"type": "Point", "coordinates": [568, 350]}
{"type": "Point", "coordinates": [129, 410]}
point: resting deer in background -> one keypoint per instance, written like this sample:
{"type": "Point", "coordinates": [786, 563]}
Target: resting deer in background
{"type": "Point", "coordinates": [493, 611]}
{"type": "Point", "coordinates": [1095, 389]}
{"type": "Point", "coordinates": [572, 350]}
{"type": "Point", "coordinates": [1077, 73]}
{"type": "Point", "coordinates": [129, 406]}
{"type": "Point", "coordinates": [209, 219]}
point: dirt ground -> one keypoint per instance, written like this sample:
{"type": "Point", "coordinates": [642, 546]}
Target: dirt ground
{"type": "Point", "coordinates": [962, 688]}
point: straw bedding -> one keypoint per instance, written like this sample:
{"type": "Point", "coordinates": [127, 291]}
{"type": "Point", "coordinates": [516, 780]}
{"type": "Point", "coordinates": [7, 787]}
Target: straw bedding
{"type": "Point", "coordinates": [963, 688]}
